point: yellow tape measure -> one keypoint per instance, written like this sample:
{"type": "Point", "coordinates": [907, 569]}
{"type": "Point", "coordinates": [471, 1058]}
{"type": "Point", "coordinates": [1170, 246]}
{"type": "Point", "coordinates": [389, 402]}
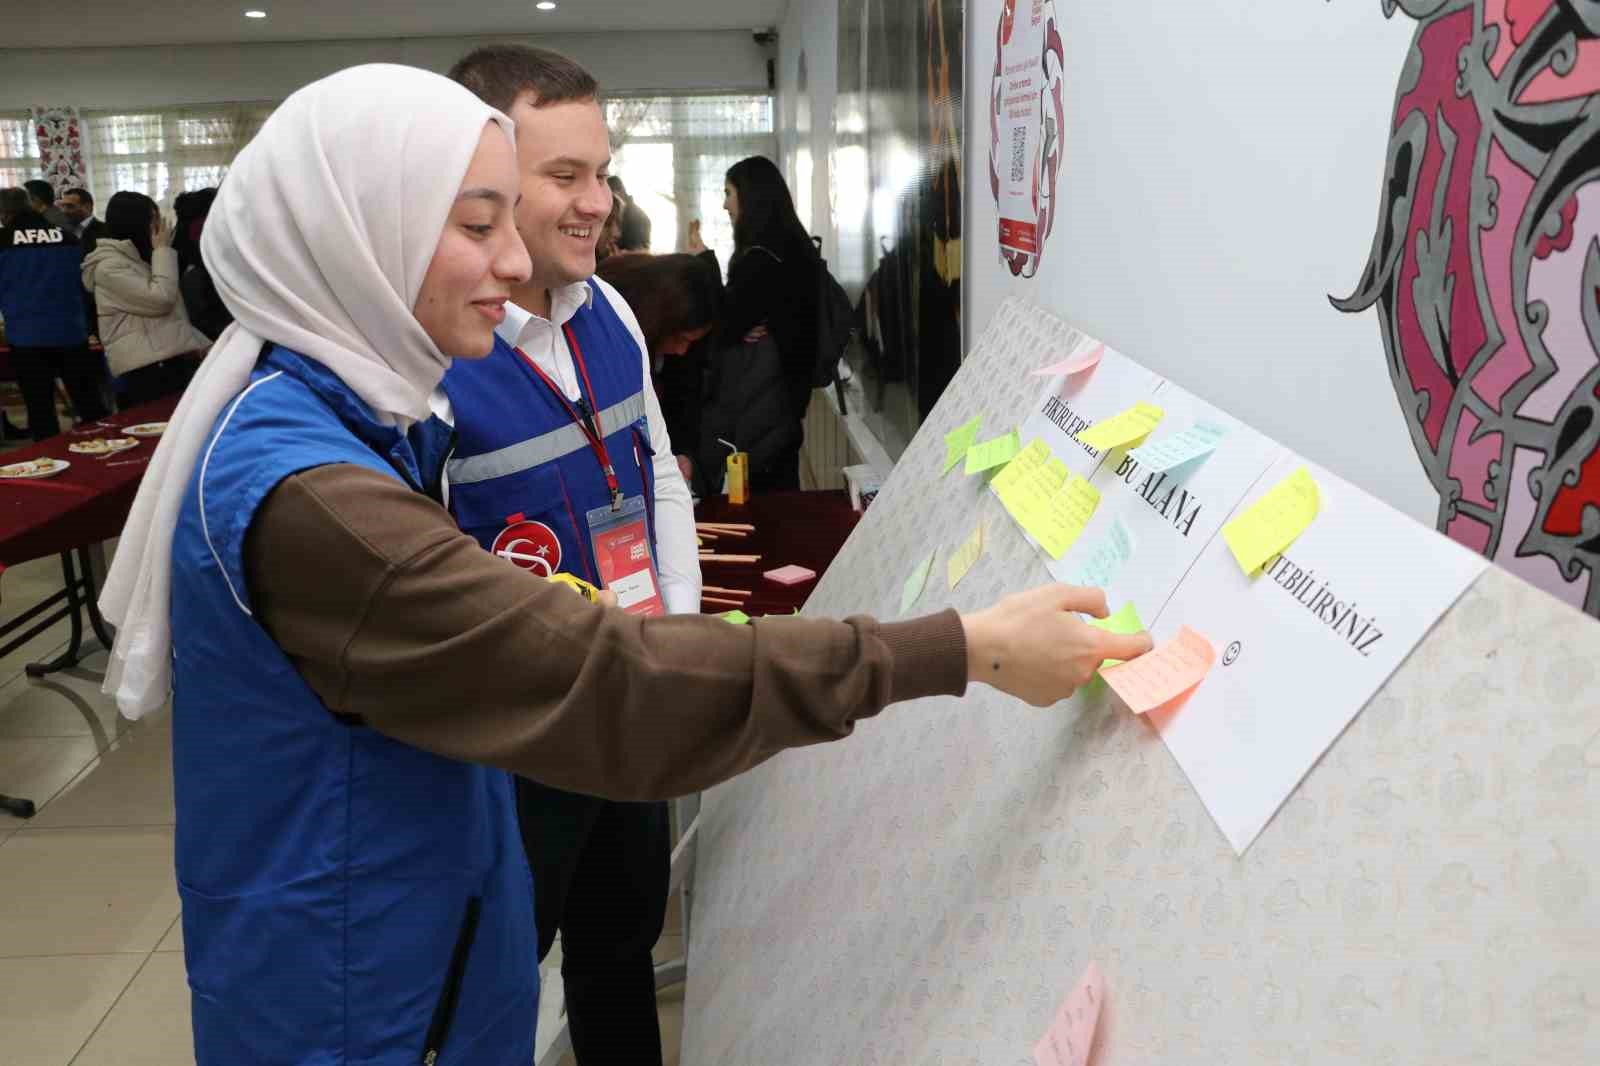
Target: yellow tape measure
{"type": "Point", "coordinates": [578, 585]}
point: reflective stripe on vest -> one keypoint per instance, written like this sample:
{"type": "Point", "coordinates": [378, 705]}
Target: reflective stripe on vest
{"type": "Point", "coordinates": [545, 448]}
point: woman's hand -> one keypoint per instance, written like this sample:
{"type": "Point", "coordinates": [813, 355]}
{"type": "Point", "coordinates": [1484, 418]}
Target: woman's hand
{"type": "Point", "coordinates": [759, 333]}
{"type": "Point", "coordinates": [1032, 646]}
{"type": "Point", "coordinates": [686, 468]}
{"type": "Point", "coordinates": [160, 232]}
{"type": "Point", "coordinates": [696, 244]}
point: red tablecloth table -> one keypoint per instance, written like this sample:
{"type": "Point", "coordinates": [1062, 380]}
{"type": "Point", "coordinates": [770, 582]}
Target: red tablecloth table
{"type": "Point", "coordinates": [805, 528]}
{"type": "Point", "coordinates": [65, 515]}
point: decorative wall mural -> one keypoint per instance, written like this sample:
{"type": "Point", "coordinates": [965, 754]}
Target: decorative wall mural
{"type": "Point", "coordinates": [1485, 272]}
{"type": "Point", "coordinates": [1025, 123]}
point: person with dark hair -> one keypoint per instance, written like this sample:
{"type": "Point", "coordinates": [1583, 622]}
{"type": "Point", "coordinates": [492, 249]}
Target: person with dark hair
{"type": "Point", "coordinates": [77, 205]}
{"type": "Point", "coordinates": [611, 232]}
{"type": "Point", "coordinates": [634, 235]}
{"type": "Point", "coordinates": [201, 301]}
{"type": "Point", "coordinates": [571, 353]}
{"type": "Point", "coordinates": [766, 339]}
{"type": "Point", "coordinates": [133, 274]}
{"type": "Point", "coordinates": [42, 303]}
{"type": "Point", "coordinates": [42, 197]}
{"type": "Point", "coordinates": [353, 680]}
{"type": "Point", "coordinates": [675, 298]}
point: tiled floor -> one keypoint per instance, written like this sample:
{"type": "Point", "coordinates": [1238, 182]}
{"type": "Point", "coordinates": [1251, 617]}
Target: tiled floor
{"type": "Point", "coordinates": [91, 953]}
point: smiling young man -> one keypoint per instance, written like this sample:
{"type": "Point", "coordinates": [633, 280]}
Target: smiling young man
{"type": "Point", "coordinates": [562, 463]}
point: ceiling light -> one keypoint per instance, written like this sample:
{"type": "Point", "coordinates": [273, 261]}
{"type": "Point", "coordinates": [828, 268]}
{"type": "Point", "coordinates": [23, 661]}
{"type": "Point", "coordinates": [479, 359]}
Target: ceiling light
{"type": "Point", "coordinates": [546, 5]}
{"type": "Point", "coordinates": [254, 14]}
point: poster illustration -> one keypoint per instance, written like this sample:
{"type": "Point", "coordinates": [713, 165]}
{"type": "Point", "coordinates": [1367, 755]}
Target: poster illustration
{"type": "Point", "coordinates": [1485, 275]}
{"type": "Point", "coordinates": [1026, 117]}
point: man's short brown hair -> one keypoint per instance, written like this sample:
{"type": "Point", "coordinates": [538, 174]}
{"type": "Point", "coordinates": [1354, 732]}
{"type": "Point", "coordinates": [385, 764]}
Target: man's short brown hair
{"type": "Point", "coordinates": [500, 73]}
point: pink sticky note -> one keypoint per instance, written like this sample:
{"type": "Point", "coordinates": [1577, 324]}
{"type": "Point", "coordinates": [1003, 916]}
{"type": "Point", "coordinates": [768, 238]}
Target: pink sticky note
{"type": "Point", "coordinates": [1071, 1033]}
{"type": "Point", "coordinates": [790, 575]}
{"type": "Point", "coordinates": [1073, 364]}
{"type": "Point", "coordinates": [1160, 677]}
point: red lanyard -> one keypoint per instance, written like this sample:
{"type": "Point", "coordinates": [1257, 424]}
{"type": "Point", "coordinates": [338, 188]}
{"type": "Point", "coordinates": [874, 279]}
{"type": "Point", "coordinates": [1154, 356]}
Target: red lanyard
{"type": "Point", "coordinates": [584, 416]}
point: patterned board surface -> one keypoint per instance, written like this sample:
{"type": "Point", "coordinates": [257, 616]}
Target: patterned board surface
{"type": "Point", "coordinates": [929, 889]}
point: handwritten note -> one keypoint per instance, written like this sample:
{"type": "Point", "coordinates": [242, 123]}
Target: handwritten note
{"type": "Point", "coordinates": [1170, 671]}
{"type": "Point", "coordinates": [965, 557]}
{"type": "Point", "coordinates": [1272, 523]}
{"type": "Point", "coordinates": [1073, 364]}
{"type": "Point", "coordinates": [1121, 429]}
{"type": "Point", "coordinates": [1027, 492]}
{"type": "Point", "coordinates": [959, 440]}
{"type": "Point", "coordinates": [1066, 516]}
{"type": "Point", "coordinates": [1125, 621]}
{"type": "Point", "coordinates": [736, 616]}
{"type": "Point", "coordinates": [1036, 454]}
{"type": "Point", "coordinates": [915, 583]}
{"type": "Point", "coordinates": [1100, 567]}
{"type": "Point", "coordinates": [1180, 449]}
{"type": "Point", "coordinates": [1071, 1034]}
{"type": "Point", "coordinates": [991, 453]}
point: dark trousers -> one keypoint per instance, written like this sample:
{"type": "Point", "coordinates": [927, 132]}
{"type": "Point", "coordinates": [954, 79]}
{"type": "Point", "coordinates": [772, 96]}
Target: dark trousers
{"type": "Point", "coordinates": [152, 382]}
{"type": "Point", "coordinates": [79, 369]}
{"type": "Point", "coordinates": [600, 875]}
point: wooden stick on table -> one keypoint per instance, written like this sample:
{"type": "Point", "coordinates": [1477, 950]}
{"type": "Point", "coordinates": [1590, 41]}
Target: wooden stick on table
{"type": "Point", "coordinates": [723, 591]}
{"type": "Point", "coordinates": [712, 557]}
{"type": "Point", "coordinates": [720, 603]}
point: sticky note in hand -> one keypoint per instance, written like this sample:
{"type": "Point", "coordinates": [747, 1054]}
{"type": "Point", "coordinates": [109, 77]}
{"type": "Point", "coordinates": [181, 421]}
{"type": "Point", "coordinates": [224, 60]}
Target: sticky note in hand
{"type": "Point", "coordinates": [1123, 428]}
{"type": "Point", "coordinates": [1125, 621]}
{"type": "Point", "coordinates": [1180, 449]}
{"type": "Point", "coordinates": [735, 616]}
{"type": "Point", "coordinates": [959, 440]}
{"type": "Point", "coordinates": [1071, 1033]}
{"type": "Point", "coordinates": [1271, 524]}
{"type": "Point", "coordinates": [991, 453]}
{"type": "Point", "coordinates": [1164, 675]}
{"type": "Point", "coordinates": [965, 556]}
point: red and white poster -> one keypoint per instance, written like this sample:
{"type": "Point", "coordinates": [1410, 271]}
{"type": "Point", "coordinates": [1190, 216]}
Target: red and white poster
{"type": "Point", "coordinates": [1026, 116]}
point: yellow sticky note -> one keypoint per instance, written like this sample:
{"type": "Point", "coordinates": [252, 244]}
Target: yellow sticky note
{"type": "Point", "coordinates": [1036, 454]}
{"type": "Point", "coordinates": [991, 453]}
{"type": "Point", "coordinates": [965, 556]}
{"type": "Point", "coordinates": [1271, 524]}
{"type": "Point", "coordinates": [1126, 622]}
{"type": "Point", "coordinates": [1059, 519]}
{"type": "Point", "coordinates": [958, 440]}
{"type": "Point", "coordinates": [1162, 676]}
{"type": "Point", "coordinates": [1124, 428]}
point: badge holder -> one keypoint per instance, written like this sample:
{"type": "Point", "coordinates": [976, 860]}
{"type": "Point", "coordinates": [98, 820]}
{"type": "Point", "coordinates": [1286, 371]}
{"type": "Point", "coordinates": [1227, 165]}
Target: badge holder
{"type": "Point", "coordinates": [620, 537]}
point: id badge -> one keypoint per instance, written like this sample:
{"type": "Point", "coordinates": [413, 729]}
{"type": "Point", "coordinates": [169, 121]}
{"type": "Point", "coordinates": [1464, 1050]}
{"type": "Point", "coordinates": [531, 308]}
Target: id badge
{"type": "Point", "coordinates": [621, 542]}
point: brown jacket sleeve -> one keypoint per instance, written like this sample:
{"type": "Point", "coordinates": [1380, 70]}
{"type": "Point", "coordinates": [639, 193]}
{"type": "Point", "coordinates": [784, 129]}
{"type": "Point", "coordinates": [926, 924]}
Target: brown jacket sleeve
{"type": "Point", "coordinates": [392, 614]}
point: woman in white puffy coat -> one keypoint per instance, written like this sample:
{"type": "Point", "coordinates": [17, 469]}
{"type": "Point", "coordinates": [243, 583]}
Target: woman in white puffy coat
{"type": "Point", "coordinates": [133, 274]}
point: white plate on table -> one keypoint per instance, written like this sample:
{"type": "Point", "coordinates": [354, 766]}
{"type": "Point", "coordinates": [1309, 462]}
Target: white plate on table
{"type": "Point", "coordinates": [146, 429]}
{"type": "Point", "coordinates": [33, 468]}
{"type": "Point", "coordinates": [103, 446]}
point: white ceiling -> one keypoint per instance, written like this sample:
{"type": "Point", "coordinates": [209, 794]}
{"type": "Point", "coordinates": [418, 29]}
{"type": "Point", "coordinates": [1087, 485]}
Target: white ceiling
{"type": "Point", "coordinates": [95, 23]}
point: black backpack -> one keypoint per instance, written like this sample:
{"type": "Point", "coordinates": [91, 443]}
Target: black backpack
{"type": "Point", "coordinates": [835, 326]}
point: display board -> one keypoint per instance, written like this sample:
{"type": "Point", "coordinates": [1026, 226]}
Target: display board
{"type": "Point", "coordinates": [928, 890]}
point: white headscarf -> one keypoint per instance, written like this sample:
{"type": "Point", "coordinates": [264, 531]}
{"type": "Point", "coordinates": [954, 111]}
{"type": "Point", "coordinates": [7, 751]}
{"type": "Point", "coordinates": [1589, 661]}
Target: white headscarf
{"type": "Point", "coordinates": [318, 240]}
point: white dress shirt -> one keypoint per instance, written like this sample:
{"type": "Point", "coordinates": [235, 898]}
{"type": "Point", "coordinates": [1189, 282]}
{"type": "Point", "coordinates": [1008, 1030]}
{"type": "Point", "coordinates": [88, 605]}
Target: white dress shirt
{"type": "Point", "coordinates": [677, 547]}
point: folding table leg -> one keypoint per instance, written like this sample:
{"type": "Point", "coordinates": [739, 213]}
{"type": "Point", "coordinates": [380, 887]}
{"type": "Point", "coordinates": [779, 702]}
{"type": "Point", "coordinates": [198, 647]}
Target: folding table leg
{"type": "Point", "coordinates": [74, 604]}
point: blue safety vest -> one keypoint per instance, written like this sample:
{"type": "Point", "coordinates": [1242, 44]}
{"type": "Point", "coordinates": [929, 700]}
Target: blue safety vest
{"type": "Point", "coordinates": [347, 899]}
{"type": "Point", "coordinates": [523, 475]}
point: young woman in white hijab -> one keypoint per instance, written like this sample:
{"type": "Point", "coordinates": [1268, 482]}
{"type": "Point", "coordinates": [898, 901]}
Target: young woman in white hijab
{"type": "Point", "coordinates": [351, 676]}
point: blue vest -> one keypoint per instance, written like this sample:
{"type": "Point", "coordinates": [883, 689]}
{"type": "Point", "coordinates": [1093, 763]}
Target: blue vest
{"type": "Point", "coordinates": [521, 463]}
{"type": "Point", "coordinates": [347, 899]}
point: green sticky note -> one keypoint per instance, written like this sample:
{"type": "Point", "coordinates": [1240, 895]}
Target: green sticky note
{"type": "Point", "coordinates": [736, 616]}
{"type": "Point", "coordinates": [1125, 621]}
{"type": "Point", "coordinates": [992, 453]}
{"type": "Point", "coordinates": [958, 440]}
{"type": "Point", "coordinates": [914, 584]}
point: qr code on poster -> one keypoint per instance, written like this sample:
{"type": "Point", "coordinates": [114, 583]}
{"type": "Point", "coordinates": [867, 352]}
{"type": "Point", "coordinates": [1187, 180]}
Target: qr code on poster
{"type": "Point", "coordinates": [1019, 144]}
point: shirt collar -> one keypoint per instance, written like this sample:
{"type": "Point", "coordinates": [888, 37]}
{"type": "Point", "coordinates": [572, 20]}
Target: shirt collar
{"type": "Point", "coordinates": [564, 303]}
